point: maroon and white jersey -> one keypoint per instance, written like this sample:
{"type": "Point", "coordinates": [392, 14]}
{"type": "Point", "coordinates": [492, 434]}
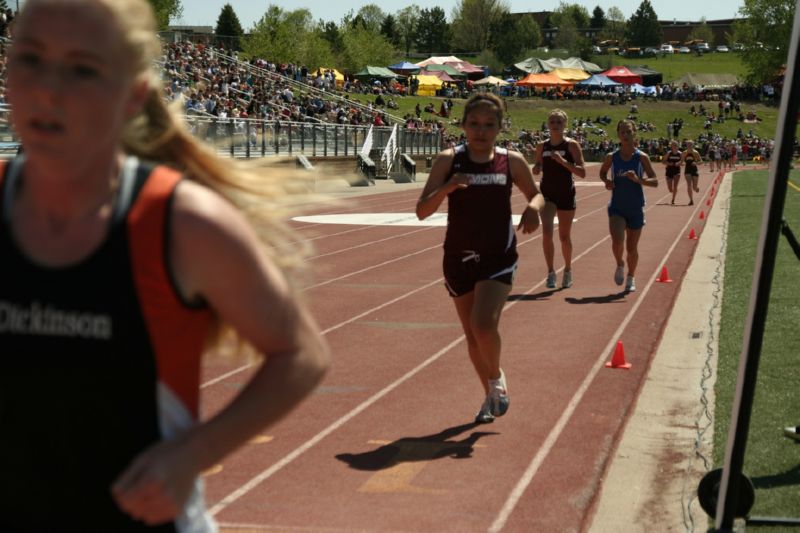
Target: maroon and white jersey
{"type": "Point", "coordinates": [479, 216]}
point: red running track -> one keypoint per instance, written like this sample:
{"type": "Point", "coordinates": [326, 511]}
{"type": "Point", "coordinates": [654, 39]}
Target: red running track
{"type": "Point", "coordinates": [387, 442]}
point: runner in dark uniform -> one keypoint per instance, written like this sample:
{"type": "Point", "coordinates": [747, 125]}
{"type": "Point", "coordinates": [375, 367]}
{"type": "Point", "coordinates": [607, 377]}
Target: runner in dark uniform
{"type": "Point", "coordinates": [630, 171]}
{"type": "Point", "coordinates": [480, 255]}
{"type": "Point", "coordinates": [113, 275]}
{"type": "Point", "coordinates": [691, 158]}
{"type": "Point", "coordinates": [672, 160]}
{"type": "Point", "coordinates": [558, 158]}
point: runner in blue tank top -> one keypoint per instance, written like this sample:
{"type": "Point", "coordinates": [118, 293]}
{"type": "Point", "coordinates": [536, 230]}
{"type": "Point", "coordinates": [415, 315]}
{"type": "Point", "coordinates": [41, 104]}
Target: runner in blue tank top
{"type": "Point", "coordinates": [626, 209]}
{"type": "Point", "coordinates": [480, 255]}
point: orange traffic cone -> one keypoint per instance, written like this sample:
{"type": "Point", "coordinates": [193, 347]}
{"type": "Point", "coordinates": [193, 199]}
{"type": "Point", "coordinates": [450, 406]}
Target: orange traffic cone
{"type": "Point", "coordinates": [692, 235]}
{"type": "Point", "coordinates": [618, 361]}
{"type": "Point", "coordinates": [708, 202]}
{"type": "Point", "coordinates": [702, 215]}
{"type": "Point", "coordinates": [664, 277]}
{"type": "Point", "coordinates": [712, 191]}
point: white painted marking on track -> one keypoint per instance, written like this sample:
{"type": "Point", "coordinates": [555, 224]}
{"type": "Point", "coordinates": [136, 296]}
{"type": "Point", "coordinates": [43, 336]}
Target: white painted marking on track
{"type": "Point", "coordinates": [269, 472]}
{"type": "Point", "coordinates": [376, 219]}
{"type": "Point", "coordinates": [235, 371]}
{"type": "Point", "coordinates": [297, 452]}
{"type": "Point", "coordinates": [561, 423]}
{"type": "Point", "coordinates": [300, 450]}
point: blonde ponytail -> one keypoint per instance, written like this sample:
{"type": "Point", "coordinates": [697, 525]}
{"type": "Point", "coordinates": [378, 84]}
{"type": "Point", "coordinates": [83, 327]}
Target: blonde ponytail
{"type": "Point", "coordinates": [264, 192]}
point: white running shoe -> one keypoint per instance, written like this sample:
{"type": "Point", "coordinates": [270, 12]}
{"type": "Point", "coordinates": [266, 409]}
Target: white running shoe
{"type": "Point", "coordinates": [619, 275]}
{"type": "Point", "coordinates": [793, 432]}
{"type": "Point", "coordinates": [566, 280]}
{"type": "Point", "coordinates": [498, 395]}
{"type": "Point", "coordinates": [485, 415]}
{"type": "Point", "coordinates": [551, 280]}
{"type": "Point", "coordinates": [630, 284]}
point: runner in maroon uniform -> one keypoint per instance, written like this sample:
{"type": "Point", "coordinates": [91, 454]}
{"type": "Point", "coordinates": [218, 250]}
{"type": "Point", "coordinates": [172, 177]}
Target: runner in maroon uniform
{"type": "Point", "coordinates": [691, 158]}
{"type": "Point", "coordinates": [672, 160]}
{"type": "Point", "coordinates": [480, 255]}
{"type": "Point", "coordinates": [114, 273]}
{"type": "Point", "coordinates": [558, 158]}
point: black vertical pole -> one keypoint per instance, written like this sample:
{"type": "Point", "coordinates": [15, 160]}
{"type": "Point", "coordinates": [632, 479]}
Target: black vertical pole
{"type": "Point", "coordinates": [759, 296]}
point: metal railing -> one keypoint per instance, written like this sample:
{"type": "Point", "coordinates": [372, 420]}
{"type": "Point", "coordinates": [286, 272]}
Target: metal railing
{"type": "Point", "coordinates": [249, 138]}
{"type": "Point", "coordinates": [259, 138]}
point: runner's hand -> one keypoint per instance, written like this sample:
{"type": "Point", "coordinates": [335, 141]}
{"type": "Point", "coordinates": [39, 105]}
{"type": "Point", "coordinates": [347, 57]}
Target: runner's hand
{"type": "Point", "coordinates": [529, 221]}
{"type": "Point", "coordinates": [155, 486]}
{"type": "Point", "coordinates": [631, 175]}
{"type": "Point", "coordinates": [458, 181]}
{"type": "Point", "coordinates": [557, 157]}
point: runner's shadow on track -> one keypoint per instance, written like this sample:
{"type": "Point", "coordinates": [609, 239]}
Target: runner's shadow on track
{"type": "Point", "coordinates": [411, 449]}
{"type": "Point", "coordinates": [532, 297]}
{"type": "Point", "coordinates": [609, 298]}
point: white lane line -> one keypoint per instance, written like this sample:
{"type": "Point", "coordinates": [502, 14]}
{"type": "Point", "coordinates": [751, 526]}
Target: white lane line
{"type": "Point", "coordinates": [269, 472]}
{"type": "Point", "coordinates": [367, 269]}
{"type": "Point", "coordinates": [370, 243]}
{"type": "Point", "coordinates": [297, 452]}
{"type": "Point", "coordinates": [549, 442]}
{"type": "Point", "coordinates": [237, 370]}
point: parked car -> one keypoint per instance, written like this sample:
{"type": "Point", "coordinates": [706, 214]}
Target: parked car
{"type": "Point", "coordinates": [667, 49]}
{"type": "Point", "coordinates": [703, 47]}
{"type": "Point", "coordinates": [737, 47]}
{"type": "Point", "coordinates": [722, 48]}
{"type": "Point", "coordinates": [684, 50]}
{"type": "Point", "coordinates": [650, 52]}
{"type": "Point", "coordinates": [596, 50]}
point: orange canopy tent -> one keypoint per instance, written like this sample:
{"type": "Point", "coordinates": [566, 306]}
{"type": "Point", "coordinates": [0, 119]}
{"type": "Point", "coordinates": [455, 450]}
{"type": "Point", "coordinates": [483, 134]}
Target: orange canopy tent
{"type": "Point", "coordinates": [543, 79]}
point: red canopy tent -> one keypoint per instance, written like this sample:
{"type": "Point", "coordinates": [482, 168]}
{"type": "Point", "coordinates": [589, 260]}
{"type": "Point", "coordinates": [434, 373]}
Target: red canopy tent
{"type": "Point", "coordinates": [442, 75]}
{"type": "Point", "coordinates": [465, 67]}
{"type": "Point", "coordinates": [622, 75]}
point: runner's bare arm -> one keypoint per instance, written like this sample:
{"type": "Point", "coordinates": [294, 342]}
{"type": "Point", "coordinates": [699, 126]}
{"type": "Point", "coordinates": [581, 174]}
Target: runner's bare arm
{"type": "Point", "coordinates": [217, 256]}
{"type": "Point", "coordinates": [577, 168]}
{"type": "Point", "coordinates": [604, 168]}
{"type": "Point", "coordinates": [436, 189]}
{"type": "Point", "coordinates": [523, 179]}
{"type": "Point", "coordinates": [537, 159]}
{"type": "Point", "coordinates": [650, 179]}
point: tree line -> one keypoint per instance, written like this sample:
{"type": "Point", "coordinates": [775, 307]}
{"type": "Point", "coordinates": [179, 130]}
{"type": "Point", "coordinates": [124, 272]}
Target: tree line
{"type": "Point", "coordinates": [484, 28]}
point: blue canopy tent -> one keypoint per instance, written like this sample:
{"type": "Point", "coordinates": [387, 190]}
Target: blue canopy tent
{"type": "Point", "coordinates": [598, 81]}
{"type": "Point", "coordinates": [405, 68]}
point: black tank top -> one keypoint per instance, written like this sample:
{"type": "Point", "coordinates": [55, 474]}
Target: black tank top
{"type": "Point", "coordinates": [556, 180]}
{"type": "Point", "coordinates": [691, 166]}
{"type": "Point", "coordinates": [79, 378]}
{"type": "Point", "coordinates": [479, 216]}
{"type": "Point", "coordinates": [674, 158]}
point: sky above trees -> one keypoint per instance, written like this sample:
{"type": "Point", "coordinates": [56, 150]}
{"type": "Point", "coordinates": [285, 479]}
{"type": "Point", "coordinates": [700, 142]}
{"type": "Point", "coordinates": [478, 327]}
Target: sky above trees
{"type": "Point", "coordinates": [205, 12]}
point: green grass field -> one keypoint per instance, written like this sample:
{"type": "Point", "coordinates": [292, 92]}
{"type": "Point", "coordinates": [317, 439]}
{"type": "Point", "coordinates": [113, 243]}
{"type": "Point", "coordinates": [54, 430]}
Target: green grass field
{"type": "Point", "coordinates": [772, 461]}
{"type": "Point", "coordinates": [674, 66]}
{"type": "Point", "coordinates": [530, 113]}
